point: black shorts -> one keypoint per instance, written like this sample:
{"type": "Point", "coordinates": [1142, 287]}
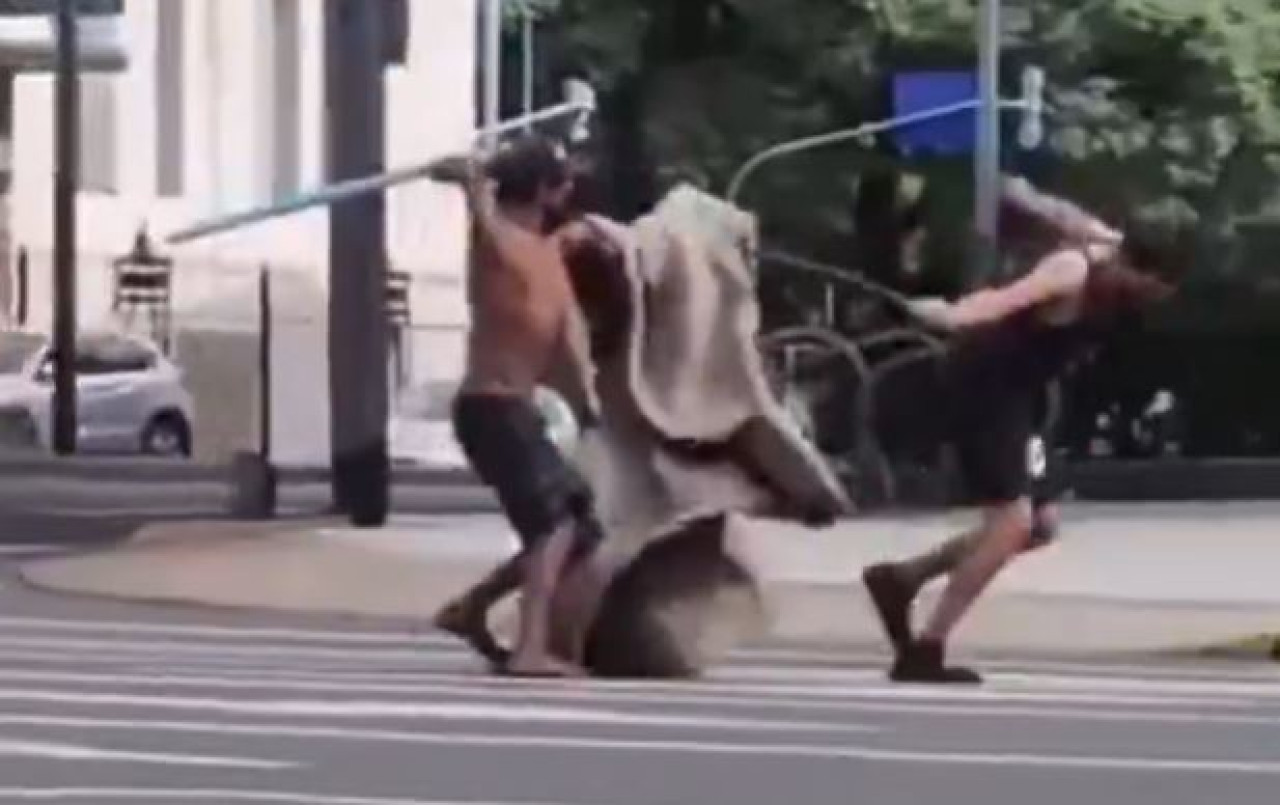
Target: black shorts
{"type": "Point", "coordinates": [1001, 452]}
{"type": "Point", "coordinates": [505, 440]}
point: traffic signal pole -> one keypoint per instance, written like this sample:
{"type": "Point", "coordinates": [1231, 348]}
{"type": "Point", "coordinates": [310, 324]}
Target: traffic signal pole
{"type": "Point", "coordinates": [986, 164]}
{"type": "Point", "coordinates": [66, 173]}
{"type": "Point", "coordinates": [358, 349]}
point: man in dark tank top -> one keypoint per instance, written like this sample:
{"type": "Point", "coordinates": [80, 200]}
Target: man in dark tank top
{"type": "Point", "coordinates": [1009, 343]}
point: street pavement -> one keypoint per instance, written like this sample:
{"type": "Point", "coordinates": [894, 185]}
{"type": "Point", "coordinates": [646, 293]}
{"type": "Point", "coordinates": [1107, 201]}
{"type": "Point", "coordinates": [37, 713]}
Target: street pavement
{"type": "Point", "coordinates": [117, 704]}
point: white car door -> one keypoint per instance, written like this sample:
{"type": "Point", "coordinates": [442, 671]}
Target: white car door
{"type": "Point", "coordinates": [111, 384]}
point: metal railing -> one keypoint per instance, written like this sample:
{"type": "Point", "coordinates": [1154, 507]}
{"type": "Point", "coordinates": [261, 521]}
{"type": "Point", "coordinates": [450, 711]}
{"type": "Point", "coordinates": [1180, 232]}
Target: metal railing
{"type": "Point", "coordinates": [867, 361]}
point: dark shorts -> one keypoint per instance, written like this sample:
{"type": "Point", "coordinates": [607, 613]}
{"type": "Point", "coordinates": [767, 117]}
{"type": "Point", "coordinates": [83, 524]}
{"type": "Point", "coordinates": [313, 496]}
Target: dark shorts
{"type": "Point", "coordinates": [1001, 452]}
{"type": "Point", "coordinates": [505, 440]}
{"type": "Point", "coordinates": [993, 431]}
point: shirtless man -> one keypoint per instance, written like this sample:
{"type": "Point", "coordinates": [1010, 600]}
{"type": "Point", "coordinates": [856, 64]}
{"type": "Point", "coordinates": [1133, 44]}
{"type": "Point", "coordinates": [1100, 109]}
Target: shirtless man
{"type": "Point", "coordinates": [592, 268]}
{"type": "Point", "coordinates": [525, 332]}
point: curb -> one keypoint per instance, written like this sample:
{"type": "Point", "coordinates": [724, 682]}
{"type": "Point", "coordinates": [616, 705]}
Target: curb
{"type": "Point", "coordinates": [797, 613]}
{"type": "Point", "coordinates": [1265, 647]}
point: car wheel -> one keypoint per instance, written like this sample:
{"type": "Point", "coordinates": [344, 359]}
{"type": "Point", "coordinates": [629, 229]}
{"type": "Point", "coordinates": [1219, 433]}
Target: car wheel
{"type": "Point", "coordinates": [167, 435]}
{"type": "Point", "coordinates": [18, 429]}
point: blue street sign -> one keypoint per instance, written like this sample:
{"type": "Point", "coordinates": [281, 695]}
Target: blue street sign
{"type": "Point", "coordinates": [916, 92]}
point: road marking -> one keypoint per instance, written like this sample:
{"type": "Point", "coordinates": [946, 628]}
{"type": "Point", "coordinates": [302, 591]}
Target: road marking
{"type": "Point", "coordinates": [836, 656]}
{"type": "Point", "coordinates": [220, 649]}
{"type": "Point", "coordinates": [406, 638]}
{"type": "Point", "coordinates": [217, 795]}
{"type": "Point", "coordinates": [456, 665]}
{"type": "Point", "coordinates": [692, 696]}
{"type": "Point", "coordinates": [815, 676]}
{"type": "Point", "coordinates": [1109, 684]}
{"type": "Point", "coordinates": [438, 711]}
{"type": "Point", "coordinates": [870, 686]}
{"type": "Point", "coordinates": [426, 679]}
{"type": "Point", "coordinates": [776, 679]}
{"type": "Point", "coordinates": [686, 749]}
{"type": "Point", "coordinates": [357, 734]}
{"type": "Point", "coordinates": [60, 751]}
{"type": "Point", "coordinates": [29, 549]}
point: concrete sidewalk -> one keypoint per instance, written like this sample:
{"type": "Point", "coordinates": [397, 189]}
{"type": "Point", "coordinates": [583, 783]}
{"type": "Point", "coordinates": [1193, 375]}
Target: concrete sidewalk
{"type": "Point", "coordinates": [1122, 578]}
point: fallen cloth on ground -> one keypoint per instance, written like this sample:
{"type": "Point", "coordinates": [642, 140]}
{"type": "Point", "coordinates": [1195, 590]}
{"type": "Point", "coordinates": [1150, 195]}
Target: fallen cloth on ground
{"type": "Point", "coordinates": [692, 441]}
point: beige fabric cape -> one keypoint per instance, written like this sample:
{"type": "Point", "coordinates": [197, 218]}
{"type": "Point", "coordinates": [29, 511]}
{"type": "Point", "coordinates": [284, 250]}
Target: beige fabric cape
{"type": "Point", "coordinates": [691, 373]}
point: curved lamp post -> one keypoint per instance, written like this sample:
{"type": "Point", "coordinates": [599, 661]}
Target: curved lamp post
{"type": "Point", "coordinates": [1033, 84]}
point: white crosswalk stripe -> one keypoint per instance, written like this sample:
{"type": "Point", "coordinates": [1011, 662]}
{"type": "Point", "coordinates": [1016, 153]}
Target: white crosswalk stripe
{"type": "Point", "coordinates": [259, 710]}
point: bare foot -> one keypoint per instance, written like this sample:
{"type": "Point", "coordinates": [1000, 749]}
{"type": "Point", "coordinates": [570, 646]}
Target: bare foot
{"type": "Point", "coordinates": [467, 623]}
{"type": "Point", "coordinates": [541, 668]}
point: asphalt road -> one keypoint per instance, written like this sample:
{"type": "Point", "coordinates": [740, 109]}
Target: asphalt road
{"type": "Point", "coordinates": [123, 704]}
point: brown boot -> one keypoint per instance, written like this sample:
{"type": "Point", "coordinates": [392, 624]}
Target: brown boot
{"type": "Point", "coordinates": [892, 598]}
{"type": "Point", "coordinates": [924, 662]}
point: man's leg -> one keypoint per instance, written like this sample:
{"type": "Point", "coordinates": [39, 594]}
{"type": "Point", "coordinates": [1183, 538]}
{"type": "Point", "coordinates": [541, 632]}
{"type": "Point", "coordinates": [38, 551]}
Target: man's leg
{"type": "Point", "coordinates": [467, 616]}
{"type": "Point", "coordinates": [1005, 533]}
{"type": "Point", "coordinates": [578, 594]}
{"type": "Point", "coordinates": [488, 430]}
{"type": "Point", "coordinates": [544, 566]}
{"type": "Point", "coordinates": [994, 460]}
{"type": "Point", "coordinates": [893, 586]}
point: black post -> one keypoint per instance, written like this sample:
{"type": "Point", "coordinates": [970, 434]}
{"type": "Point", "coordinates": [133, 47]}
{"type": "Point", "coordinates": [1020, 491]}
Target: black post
{"type": "Point", "coordinates": [24, 287]}
{"type": "Point", "coordinates": [254, 482]}
{"type": "Point", "coordinates": [354, 51]}
{"type": "Point", "coordinates": [264, 364]}
{"type": "Point", "coordinates": [67, 139]}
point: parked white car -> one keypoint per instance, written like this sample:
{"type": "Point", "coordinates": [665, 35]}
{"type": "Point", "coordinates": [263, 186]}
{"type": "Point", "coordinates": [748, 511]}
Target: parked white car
{"type": "Point", "coordinates": [130, 397]}
{"type": "Point", "coordinates": [421, 428]}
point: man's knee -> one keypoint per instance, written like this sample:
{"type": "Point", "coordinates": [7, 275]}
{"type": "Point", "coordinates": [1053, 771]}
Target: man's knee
{"type": "Point", "coordinates": [1013, 524]}
{"type": "Point", "coordinates": [1045, 524]}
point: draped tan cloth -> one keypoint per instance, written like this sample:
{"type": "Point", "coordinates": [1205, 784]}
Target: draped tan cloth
{"type": "Point", "coordinates": [690, 429]}
{"type": "Point", "coordinates": [690, 381]}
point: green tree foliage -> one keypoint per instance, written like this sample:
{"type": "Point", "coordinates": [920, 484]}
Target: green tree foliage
{"type": "Point", "coordinates": [1167, 107]}
{"type": "Point", "coordinates": [1160, 109]}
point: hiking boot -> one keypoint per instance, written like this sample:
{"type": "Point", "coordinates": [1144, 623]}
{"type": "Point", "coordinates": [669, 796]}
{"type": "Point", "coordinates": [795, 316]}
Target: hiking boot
{"type": "Point", "coordinates": [923, 662]}
{"type": "Point", "coordinates": [892, 599]}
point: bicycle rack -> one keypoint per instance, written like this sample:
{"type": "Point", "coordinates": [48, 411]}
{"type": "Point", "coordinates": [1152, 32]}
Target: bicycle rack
{"type": "Point", "coordinates": [870, 358]}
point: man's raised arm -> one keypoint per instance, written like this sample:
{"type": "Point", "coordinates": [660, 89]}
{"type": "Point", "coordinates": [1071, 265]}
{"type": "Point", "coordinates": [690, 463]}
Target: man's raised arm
{"type": "Point", "coordinates": [467, 171]}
